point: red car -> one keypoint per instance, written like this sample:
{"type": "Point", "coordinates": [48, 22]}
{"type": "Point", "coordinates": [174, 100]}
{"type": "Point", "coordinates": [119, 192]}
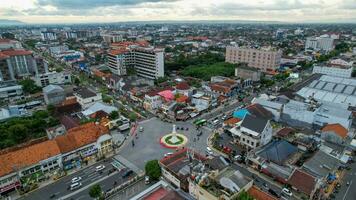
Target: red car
{"type": "Point", "coordinates": [227, 150]}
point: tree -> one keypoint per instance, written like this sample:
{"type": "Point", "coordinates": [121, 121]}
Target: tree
{"type": "Point", "coordinates": [114, 115]}
{"type": "Point", "coordinates": [95, 191]}
{"type": "Point", "coordinates": [51, 109]}
{"type": "Point", "coordinates": [76, 81]}
{"type": "Point", "coordinates": [153, 170]}
{"type": "Point", "coordinates": [19, 132]}
{"type": "Point", "coordinates": [29, 86]}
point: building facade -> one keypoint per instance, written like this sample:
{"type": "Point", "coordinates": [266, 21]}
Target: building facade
{"type": "Point", "coordinates": [148, 62]}
{"type": "Point", "coordinates": [266, 60]}
{"type": "Point", "coordinates": [322, 43]}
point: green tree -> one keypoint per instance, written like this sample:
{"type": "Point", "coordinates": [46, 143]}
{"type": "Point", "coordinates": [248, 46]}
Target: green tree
{"type": "Point", "coordinates": [132, 116]}
{"type": "Point", "coordinates": [19, 132]}
{"type": "Point", "coordinates": [29, 86]}
{"type": "Point", "coordinates": [114, 115]}
{"type": "Point", "coordinates": [51, 109]}
{"type": "Point", "coordinates": [95, 191]}
{"type": "Point", "coordinates": [153, 170]}
{"type": "Point", "coordinates": [76, 81]}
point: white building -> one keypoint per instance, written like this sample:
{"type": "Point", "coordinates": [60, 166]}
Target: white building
{"type": "Point", "coordinates": [343, 72]}
{"type": "Point", "coordinates": [9, 44]}
{"type": "Point", "coordinates": [148, 62]}
{"type": "Point", "coordinates": [86, 97]}
{"type": "Point", "coordinates": [323, 43]}
{"type": "Point", "coordinates": [11, 91]}
{"type": "Point", "coordinates": [152, 101]}
{"type": "Point", "coordinates": [55, 78]}
{"type": "Point", "coordinates": [48, 36]}
{"type": "Point", "coordinates": [254, 132]}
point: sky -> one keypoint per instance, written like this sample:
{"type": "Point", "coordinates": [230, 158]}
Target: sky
{"type": "Point", "coordinates": [87, 11]}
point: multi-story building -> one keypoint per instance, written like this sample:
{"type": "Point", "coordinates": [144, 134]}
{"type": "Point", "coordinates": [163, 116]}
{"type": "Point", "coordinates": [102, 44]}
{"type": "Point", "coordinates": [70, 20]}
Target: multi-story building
{"type": "Point", "coordinates": [333, 70]}
{"type": "Point", "coordinates": [226, 88]}
{"type": "Point", "coordinates": [323, 43]}
{"type": "Point", "coordinates": [76, 34]}
{"type": "Point", "coordinates": [9, 44]}
{"type": "Point", "coordinates": [16, 63]}
{"type": "Point", "coordinates": [56, 78]}
{"type": "Point", "coordinates": [48, 35]}
{"type": "Point", "coordinates": [10, 89]}
{"type": "Point", "coordinates": [148, 62]}
{"type": "Point", "coordinates": [53, 94]}
{"type": "Point", "coordinates": [86, 97]}
{"type": "Point", "coordinates": [247, 73]}
{"type": "Point", "coordinates": [254, 132]}
{"type": "Point", "coordinates": [264, 59]}
{"type": "Point", "coordinates": [112, 38]}
{"type": "Point", "coordinates": [86, 142]}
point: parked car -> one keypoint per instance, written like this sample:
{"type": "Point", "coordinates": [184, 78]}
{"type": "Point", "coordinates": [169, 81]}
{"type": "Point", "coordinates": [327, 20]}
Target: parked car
{"type": "Point", "coordinates": [287, 192]}
{"type": "Point", "coordinates": [147, 180]}
{"type": "Point", "coordinates": [127, 173]}
{"type": "Point", "coordinates": [227, 150]}
{"type": "Point", "coordinates": [141, 129]}
{"type": "Point", "coordinates": [274, 193]}
{"type": "Point", "coordinates": [99, 168]}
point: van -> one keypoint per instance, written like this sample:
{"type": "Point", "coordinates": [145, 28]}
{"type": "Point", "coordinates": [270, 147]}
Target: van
{"type": "Point", "coordinates": [75, 185]}
{"type": "Point", "coordinates": [215, 122]}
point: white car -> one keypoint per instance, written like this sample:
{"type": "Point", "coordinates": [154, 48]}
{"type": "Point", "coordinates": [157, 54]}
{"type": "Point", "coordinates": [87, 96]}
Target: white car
{"type": "Point", "coordinates": [209, 151]}
{"type": "Point", "coordinates": [287, 192]}
{"type": "Point", "coordinates": [168, 154]}
{"type": "Point", "coordinates": [99, 168]}
{"type": "Point", "coordinates": [75, 186]}
{"type": "Point", "coordinates": [76, 179]}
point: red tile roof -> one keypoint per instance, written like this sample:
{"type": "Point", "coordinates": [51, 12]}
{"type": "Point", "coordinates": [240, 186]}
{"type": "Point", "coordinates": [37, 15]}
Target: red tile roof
{"type": "Point", "coordinates": [336, 128]}
{"type": "Point", "coordinates": [117, 51]}
{"type": "Point", "coordinates": [303, 181]}
{"type": "Point", "coordinates": [3, 56]}
{"type": "Point", "coordinates": [27, 156]}
{"type": "Point", "coordinates": [182, 99]}
{"type": "Point", "coordinates": [259, 194]}
{"type": "Point", "coordinates": [16, 52]}
{"type": "Point", "coordinates": [182, 86]}
{"type": "Point", "coordinates": [232, 121]}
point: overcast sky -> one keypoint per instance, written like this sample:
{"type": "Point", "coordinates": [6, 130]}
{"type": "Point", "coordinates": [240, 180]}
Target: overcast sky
{"type": "Point", "coordinates": [81, 11]}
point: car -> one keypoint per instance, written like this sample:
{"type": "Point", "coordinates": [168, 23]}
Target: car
{"type": "Point", "coordinates": [141, 129]}
{"type": "Point", "coordinates": [75, 186]}
{"type": "Point", "coordinates": [209, 151]}
{"type": "Point", "coordinates": [168, 154]}
{"type": "Point", "coordinates": [127, 173]}
{"type": "Point", "coordinates": [237, 157]}
{"type": "Point", "coordinates": [287, 192]}
{"type": "Point", "coordinates": [274, 193]}
{"type": "Point", "coordinates": [147, 180]}
{"type": "Point", "coordinates": [200, 133]}
{"type": "Point", "coordinates": [99, 168]}
{"type": "Point", "coordinates": [76, 179]}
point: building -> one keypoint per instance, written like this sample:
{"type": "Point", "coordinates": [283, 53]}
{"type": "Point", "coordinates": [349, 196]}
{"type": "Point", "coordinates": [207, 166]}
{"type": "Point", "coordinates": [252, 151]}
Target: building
{"type": "Point", "coordinates": [56, 50]}
{"type": "Point", "coordinates": [9, 44]}
{"type": "Point", "coordinates": [321, 43]}
{"type": "Point", "coordinates": [254, 132]}
{"type": "Point", "coordinates": [10, 90]}
{"type": "Point", "coordinates": [50, 78]}
{"type": "Point", "coordinates": [176, 167]}
{"type": "Point", "coordinates": [152, 101]}
{"type": "Point", "coordinates": [99, 106]}
{"type": "Point", "coordinates": [79, 34]}
{"type": "Point", "coordinates": [48, 36]}
{"type": "Point", "coordinates": [336, 68]}
{"type": "Point", "coordinates": [265, 60]}
{"type": "Point", "coordinates": [330, 89]}
{"type": "Point", "coordinates": [247, 73]}
{"type": "Point", "coordinates": [226, 88]}
{"type": "Point", "coordinates": [86, 97]}
{"type": "Point", "coordinates": [303, 182]}
{"type": "Point", "coordinates": [321, 165]}
{"type": "Point", "coordinates": [334, 133]}
{"type": "Point", "coordinates": [85, 142]}
{"type": "Point", "coordinates": [112, 38]}
{"type": "Point", "coordinates": [222, 185]}
{"type": "Point", "coordinates": [53, 94]}
{"type": "Point", "coordinates": [147, 62]}
{"type": "Point", "coordinates": [16, 63]}
{"type": "Point", "coordinates": [343, 72]}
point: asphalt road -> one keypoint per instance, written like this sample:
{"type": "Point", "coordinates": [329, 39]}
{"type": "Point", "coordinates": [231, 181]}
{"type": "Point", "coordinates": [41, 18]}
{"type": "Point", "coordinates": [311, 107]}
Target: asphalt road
{"type": "Point", "coordinates": [348, 192]}
{"type": "Point", "coordinates": [60, 187]}
{"type": "Point", "coordinates": [147, 146]}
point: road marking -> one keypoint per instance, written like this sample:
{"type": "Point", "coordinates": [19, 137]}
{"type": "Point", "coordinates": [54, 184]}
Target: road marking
{"type": "Point", "coordinates": [347, 190]}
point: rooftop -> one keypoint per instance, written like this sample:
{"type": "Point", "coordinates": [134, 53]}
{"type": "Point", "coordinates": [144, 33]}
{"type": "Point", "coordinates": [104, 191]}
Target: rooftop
{"type": "Point", "coordinates": [302, 181]}
{"type": "Point", "coordinates": [321, 164]}
{"type": "Point", "coordinates": [254, 123]}
{"type": "Point", "coordinates": [278, 151]}
{"type": "Point", "coordinates": [16, 52]}
{"type": "Point", "coordinates": [336, 128]}
{"type": "Point", "coordinates": [85, 93]}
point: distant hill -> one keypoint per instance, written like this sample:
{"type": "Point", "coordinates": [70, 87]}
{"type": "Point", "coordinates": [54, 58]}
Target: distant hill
{"type": "Point", "coordinates": [7, 22]}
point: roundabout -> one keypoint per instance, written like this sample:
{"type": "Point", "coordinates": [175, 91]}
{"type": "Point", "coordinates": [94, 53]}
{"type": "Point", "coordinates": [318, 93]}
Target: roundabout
{"type": "Point", "coordinates": [174, 139]}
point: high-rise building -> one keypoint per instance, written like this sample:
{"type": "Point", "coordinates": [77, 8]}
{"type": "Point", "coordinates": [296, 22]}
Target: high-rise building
{"type": "Point", "coordinates": [112, 38]}
{"type": "Point", "coordinates": [148, 62]}
{"type": "Point", "coordinates": [322, 43]}
{"type": "Point", "coordinates": [9, 44]}
{"type": "Point", "coordinates": [48, 35]}
{"type": "Point", "coordinates": [19, 63]}
{"type": "Point", "coordinates": [266, 60]}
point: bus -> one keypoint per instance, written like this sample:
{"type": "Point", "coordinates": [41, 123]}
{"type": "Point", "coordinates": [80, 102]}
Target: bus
{"type": "Point", "coordinates": [200, 122]}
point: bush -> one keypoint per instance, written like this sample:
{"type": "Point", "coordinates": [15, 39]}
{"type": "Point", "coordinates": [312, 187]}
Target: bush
{"type": "Point", "coordinates": [95, 191]}
{"type": "Point", "coordinates": [205, 72]}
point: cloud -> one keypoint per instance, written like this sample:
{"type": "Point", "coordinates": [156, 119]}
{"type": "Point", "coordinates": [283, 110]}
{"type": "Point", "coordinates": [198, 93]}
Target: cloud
{"type": "Point", "coordinates": [91, 4]}
{"type": "Point", "coordinates": [348, 4]}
